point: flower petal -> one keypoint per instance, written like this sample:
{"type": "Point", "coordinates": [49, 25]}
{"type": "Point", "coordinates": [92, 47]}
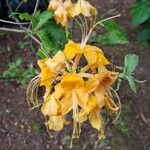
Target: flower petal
{"type": "Point", "coordinates": [70, 81]}
{"type": "Point", "coordinates": [57, 62]}
{"type": "Point", "coordinates": [92, 83]}
{"type": "Point", "coordinates": [51, 106]}
{"type": "Point", "coordinates": [53, 5]}
{"type": "Point", "coordinates": [60, 15]}
{"type": "Point", "coordinates": [55, 123]}
{"type": "Point", "coordinates": [66, 103]}
{"type": "Point", "coordinates": [91, 57]}
{"type": "Point", "coordinates": [97, 122]}
{"type": "Point", "coordinates": [71, 49]}
{"type": "Point", "coordinates": [46, 73]}
{"type": "Point", "coordinates": [81, 116]}
{"type": "Point", "coordinates": [87, 9]}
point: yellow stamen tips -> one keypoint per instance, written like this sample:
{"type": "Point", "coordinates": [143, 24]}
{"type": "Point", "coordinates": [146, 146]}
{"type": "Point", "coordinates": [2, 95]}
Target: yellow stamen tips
{"type": "Point", "coordinates": [76, 80]}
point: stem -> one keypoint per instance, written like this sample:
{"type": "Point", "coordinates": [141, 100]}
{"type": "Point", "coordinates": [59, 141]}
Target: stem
{"type": "Point", "coordinates": [36, 7]}
{"type": "Point", "coordinates": [109, 18]}
{"type": "Point", "coordinates": [11, 11]}
{"type": "Point", "coordinates": [15, 23]}
{"type": "Point", "coordinates": [13, 30]}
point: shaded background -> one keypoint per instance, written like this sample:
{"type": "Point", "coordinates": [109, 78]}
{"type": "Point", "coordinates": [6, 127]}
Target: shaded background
{"type": "Point", "coordinates": [22, 129]}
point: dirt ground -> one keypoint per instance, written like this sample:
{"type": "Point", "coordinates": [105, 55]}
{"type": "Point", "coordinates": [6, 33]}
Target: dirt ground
{"type": "Point", "coordinates": [23, 129]}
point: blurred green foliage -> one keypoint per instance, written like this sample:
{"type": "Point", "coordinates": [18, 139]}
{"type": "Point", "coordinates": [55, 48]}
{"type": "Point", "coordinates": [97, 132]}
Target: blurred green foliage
{"type": "Point", "coordinates": [140, 16]}
{"type": "Point", "coordinates": [14, 71]}
{"type": "Point", "coordinates": [114, 34]}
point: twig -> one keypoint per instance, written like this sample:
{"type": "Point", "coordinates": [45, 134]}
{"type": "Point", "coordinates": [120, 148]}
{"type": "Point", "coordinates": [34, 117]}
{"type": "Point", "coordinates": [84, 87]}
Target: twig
{"type": "Point", "coordinates": [36, 7]}
{"type": "Point", "coordinates": [15, 23]}
{"type": "Point", "coordinates": [13, 30]}
{"type": "Point", "coordinates": [11, 11]}
{"type": "Point", "coordinates": [21, 31]}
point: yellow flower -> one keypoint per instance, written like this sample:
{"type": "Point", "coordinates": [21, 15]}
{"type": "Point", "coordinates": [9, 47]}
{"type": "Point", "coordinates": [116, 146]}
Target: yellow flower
{"type": "Point", "coordinates": [92, 112]}
{"type": "Point", "coordinates": [106, 79]}
{"type": "Point", "coordinates": [53, 4]}
{"type": "Point", "coordinates": [50, 67]}
{"type": "Point", "coordinates": [92, 54]}
{"type": "Point", "coordinates": [51, 106]}
{"type": "Point", "coordinates": [95, 117]}
{"type": "Point", "coordinates": [60, 15]}
{"type": "Point", "coordinates": [82, 7]}
{"type": "Point", "coordinates": [61, 10]}
{"type": "Point", "coordinates": [55, 123]}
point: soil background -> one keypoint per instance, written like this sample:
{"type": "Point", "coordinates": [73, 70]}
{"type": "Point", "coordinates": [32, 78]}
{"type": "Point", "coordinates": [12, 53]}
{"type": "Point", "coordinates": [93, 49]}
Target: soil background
{"type": "Point", "coordinates": [23, 129]}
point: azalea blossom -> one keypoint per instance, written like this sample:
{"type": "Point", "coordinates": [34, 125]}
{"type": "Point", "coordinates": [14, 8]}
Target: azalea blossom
{"type": "Point", "coordinates": [72, 88]}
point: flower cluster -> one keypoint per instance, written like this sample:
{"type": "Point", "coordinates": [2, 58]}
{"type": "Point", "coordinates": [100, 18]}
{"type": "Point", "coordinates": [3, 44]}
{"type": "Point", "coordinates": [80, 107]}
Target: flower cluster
{"type": "Point", "coordinates": [67, 9]}
{"type": "Point", "coordinates": [76, 80]}
{"type": "Point", "coordinates": [72, 86]}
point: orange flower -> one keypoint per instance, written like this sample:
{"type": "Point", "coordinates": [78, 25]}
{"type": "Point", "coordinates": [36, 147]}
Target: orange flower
{"type": "Point", "coordinates": [61, 10]}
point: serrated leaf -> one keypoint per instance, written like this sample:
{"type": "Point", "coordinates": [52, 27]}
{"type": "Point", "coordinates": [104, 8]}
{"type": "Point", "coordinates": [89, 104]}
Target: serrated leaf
{"type": "Point", "coordinates": [43, 18]}
{"type": "Point", "coordinates": [25, 16]}
{"type": "Point", "coordinates": [131, 61]}
{"type": "Point", "coordinates": [131, 83]}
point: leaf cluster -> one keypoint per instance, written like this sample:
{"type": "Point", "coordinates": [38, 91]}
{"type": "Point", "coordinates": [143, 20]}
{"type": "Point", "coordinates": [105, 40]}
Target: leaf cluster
{"type": "Point", "coordinates": [52, 35]}
{"type": "Point", "coordinates": [130, 64]}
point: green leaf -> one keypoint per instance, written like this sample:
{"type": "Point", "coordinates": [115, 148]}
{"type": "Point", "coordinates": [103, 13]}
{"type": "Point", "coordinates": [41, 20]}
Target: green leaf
{"type": "Point", "coordinates": [140, 12]}
{"type": "Point", "coordinates": [144, 34]}
{"type": "Point", "coordinates": [131, 61]}
{"type": "Point", "coordinates": [49, 34]}
{"type": "Point", "coordinates": [25, 16]}
{"type": "Point", "coordinates": [131, 83]}
{"type": "Point", "coordinates": [114, 35]}
{"type": "Point", "coordinates": [43, 18]}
